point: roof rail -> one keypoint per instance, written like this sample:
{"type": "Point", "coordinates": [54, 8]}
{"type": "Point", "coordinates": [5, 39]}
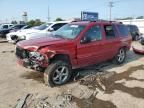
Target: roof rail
{"type": "Point", "coordinates": [113, 22]}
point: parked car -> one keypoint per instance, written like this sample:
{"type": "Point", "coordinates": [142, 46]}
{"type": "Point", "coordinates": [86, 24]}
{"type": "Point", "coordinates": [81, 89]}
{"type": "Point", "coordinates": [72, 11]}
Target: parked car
{"type": "Point", "coordinates": [134, 31]}
{"type": "Point", "coordinates": [43, 30]}
{"type": "Point", "coordinates": [142, 39]}
{"type": "Point", "coordinates": [5, 26]}
{"type": "Point", "coordinates": [20, 27]}
{"type": "Point", "coordinates": [13, 36]}
{"type": "Point", "coordinates": [53, 26]}
{"type": "Point", "coordinates": [75, 45]}
{"type": "Point", "coordinates": [3, 32]}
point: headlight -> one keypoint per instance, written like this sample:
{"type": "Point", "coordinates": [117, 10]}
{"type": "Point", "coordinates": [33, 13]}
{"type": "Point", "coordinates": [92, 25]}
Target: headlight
{"type": "Point", "coordinates": [36, 55]}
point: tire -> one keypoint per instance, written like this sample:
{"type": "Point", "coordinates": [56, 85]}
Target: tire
{"type": "Point", "coordinates": [136, 38]}
{"type": "Point", "coordinates": [57, 73]}
{"type": "Point", "coordinates": [142, 41]}
{"type": "Point", "coordinates": [121, 56]}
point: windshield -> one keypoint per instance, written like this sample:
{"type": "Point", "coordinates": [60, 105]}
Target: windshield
{"type": "Point", "coordinates": [70, 31]}
{"type": "Point", "coordinates": [43, 26]}
{"type": "Point", "coordinates": [26, 27]}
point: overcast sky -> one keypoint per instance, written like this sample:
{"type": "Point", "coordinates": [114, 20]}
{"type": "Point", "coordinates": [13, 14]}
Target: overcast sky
{"type": "Point", "coordinates": [13, 9]}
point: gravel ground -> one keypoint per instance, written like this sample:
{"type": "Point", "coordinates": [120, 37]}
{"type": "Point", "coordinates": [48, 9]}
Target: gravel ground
{"type": "Point", "coordinates": [110, 87]}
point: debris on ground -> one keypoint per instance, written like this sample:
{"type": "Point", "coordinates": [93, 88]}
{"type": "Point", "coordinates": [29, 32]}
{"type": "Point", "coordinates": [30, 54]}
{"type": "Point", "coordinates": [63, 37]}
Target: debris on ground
{"type": "Point", "coordinates": [90, 70]}
{"type": "Point", "coordinates": [22, 103]}
{"type": "Point", "coordinates": [59, 101]}
{"type": "Point", "coordinates": [94, 81]}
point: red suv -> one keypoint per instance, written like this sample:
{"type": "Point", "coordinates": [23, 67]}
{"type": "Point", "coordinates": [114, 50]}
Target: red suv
{"type": "Point", "coordinates": [75, 45]}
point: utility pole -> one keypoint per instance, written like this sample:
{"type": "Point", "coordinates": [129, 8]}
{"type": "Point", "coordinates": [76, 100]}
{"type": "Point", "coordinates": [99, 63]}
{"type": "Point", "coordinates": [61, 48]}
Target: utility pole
{"type": "Point", "coordinates": [48, 14]}
{"type": "Point", "coordinates": [110, 6]}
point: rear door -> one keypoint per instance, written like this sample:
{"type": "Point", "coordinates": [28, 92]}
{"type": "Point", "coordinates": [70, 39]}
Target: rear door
{"type": "Point", "coordinates": [111, 41]}
{"type": "Point", "coordinates": [90, 51]}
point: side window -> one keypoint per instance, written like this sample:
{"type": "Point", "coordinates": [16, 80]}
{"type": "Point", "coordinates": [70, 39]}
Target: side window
{"type": "Point", "coordinates": [5, 26]}
{"type": "Point", "coordinates": [109, 31]}
{"type": "Point", "coordinates": [10, 25]}
{"type": "Point", "coordinates": [57, 26]}
{"type": "Point", "coordinates": [94, 33]}
{"type": "Point", "coordinates": [123, 30]}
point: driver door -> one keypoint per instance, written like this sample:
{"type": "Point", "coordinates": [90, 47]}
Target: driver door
{"type": "Point", "coordinates": [90, 49]}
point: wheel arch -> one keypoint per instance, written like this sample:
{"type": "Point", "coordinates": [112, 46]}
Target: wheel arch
{"type": "Point", "coordinates": [62, 57]}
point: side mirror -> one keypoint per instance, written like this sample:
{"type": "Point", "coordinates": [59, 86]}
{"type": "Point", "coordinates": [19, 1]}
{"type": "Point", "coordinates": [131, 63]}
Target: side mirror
{"type": "Point", "coordinates": [85, 40]}
{"type": "Point", "coordinates": [50, 29]}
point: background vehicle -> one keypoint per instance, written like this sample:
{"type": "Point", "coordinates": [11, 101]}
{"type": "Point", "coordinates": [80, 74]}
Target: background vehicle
{"type": "Point", "coordinates": [74, 45]}
{"type": "Point", "coordinates": [20, 27]}
{"type": "Point", "coordinates": [5, 26]}
{"type": "Point", "coordinates": [3, 32]}
{"type": "Point", "coordinates": [43, 30]}
{"type": "Point", "coordinates": [134, 31]}
{"type": "Point", "coordinates": [142, 39]}
{"type": "Point", "coordinates": [53, 26]}
{"type": "Point", "coordinates": [13, 36]}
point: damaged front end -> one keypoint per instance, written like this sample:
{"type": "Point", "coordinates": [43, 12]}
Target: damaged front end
{"type": "Point", "coordinates": [31, 59]}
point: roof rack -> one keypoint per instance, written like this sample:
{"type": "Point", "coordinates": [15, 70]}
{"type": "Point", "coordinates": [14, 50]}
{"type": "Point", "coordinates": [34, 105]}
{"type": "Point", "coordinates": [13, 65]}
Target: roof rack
{"type": "Point", "coordinates": [107, 21]}
{"type": "Point", "coordinates": [100, 20]}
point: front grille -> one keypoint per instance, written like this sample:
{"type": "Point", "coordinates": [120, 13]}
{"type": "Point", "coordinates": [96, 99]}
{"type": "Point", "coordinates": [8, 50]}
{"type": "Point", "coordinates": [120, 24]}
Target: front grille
{"type": "Point", "coordinates": [21, 53]}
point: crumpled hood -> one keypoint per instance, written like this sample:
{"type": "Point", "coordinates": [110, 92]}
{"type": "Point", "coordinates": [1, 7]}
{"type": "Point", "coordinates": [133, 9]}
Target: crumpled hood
{"type": "Point", "coordinates": [43, 41]}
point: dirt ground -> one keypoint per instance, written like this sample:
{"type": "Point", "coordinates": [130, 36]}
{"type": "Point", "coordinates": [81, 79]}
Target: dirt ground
{"type": "Point", "coordinates": [100, 86]}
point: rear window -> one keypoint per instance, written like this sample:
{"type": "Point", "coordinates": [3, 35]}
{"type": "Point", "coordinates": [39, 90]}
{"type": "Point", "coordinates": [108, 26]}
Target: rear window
{"type": "Point", "coordinates": [123, 30]}
{"type": "Point", "coordinates": [42, 27]}
{"type": "Point", "coordinates": [132, 28]}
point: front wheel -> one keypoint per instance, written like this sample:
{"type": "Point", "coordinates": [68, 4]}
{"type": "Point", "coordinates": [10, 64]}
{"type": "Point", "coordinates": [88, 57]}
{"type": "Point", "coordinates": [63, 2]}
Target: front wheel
{"type": "Point", "coordinates": [120, 57]}
{"type": "Point", "coordinates": [57, 73]}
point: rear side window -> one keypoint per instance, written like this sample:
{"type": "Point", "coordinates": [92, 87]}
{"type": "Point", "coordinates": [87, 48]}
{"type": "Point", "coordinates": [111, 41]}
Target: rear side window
{"type": "Point", "coordinates": [109, 31]}
{"type": "Point", "coordinates": [123, 30]}
{"type": "Point", "coordinates": [57, 26]}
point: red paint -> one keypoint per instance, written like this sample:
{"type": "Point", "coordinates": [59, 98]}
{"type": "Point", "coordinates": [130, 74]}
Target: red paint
{"type": "Point", "coordinates": [80, 54]}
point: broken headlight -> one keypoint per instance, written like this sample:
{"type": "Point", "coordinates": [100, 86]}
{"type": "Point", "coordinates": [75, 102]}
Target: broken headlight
{"type": "Point", "coordinates": [36, 56]}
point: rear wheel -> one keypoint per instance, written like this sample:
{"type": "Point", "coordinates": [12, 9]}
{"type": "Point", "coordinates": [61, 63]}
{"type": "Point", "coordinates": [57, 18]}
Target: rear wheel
{"type": "Point", "coordinates": [120, 57]}
{"type": "Point", "coordinates": [136, 38]}
{"type": "Point", "coordinates": [57, 73]}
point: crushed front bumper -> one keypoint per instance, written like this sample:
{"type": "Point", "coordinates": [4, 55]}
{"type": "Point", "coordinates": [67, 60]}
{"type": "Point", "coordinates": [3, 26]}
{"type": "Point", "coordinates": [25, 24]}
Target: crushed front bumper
{"type": "Point", "coordinates": [32, 60]}
{"type": "Point", "coordinates": [28, 64]}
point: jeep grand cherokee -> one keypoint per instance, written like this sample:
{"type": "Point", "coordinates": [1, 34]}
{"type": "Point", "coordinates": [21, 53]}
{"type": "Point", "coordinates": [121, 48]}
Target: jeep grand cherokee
{"type": "Point", "coordinates": [75, 45]}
